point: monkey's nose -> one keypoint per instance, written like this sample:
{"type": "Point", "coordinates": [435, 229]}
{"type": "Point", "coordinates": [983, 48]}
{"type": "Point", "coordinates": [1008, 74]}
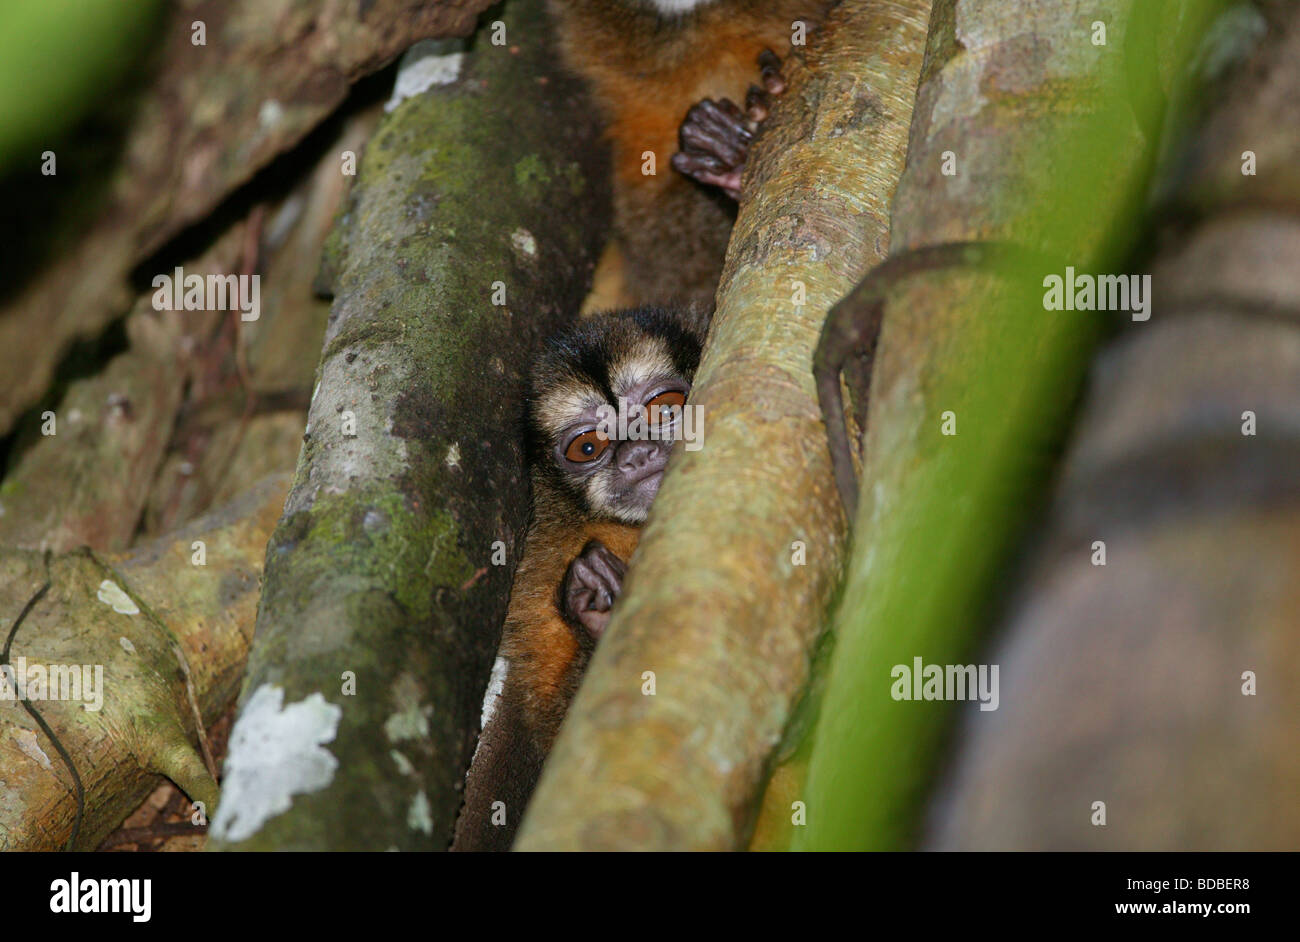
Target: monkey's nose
{"type": "Point", "coordinates": [636, 459]}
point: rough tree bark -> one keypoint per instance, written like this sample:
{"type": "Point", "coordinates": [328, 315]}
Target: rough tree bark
{"type": "Point", "coordinates": [471, 232]}
{"type": "Point", "coordinates": [172, 397]}
{"type": "Point", "coordinates": [243, 419]}
{"type": "Point", "coordinates": [737, 564]}
{"type": "Point", "coordinates": [159, 625]}
{"type": "Point", "coordinates": [85, 479]}
{"type": "Point", "coordinates": [214, 115]}
{"type": "Point", "coordinates": [1131, 676]}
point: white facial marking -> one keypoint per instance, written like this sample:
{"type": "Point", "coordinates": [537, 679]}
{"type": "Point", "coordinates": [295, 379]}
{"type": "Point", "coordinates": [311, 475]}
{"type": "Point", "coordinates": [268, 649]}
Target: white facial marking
{"type": "Point", "coordinates": [674, 7]}
{"type": "Point", "coordinates": [600, 494]}
{"type": "Point", "coordinates": [560, 408]}
{"type": "Point", "coordinates": [641, 369]}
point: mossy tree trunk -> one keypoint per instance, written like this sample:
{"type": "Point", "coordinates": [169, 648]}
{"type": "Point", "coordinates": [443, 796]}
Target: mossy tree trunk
{"type": "Point", "coordinates": [471, 232]}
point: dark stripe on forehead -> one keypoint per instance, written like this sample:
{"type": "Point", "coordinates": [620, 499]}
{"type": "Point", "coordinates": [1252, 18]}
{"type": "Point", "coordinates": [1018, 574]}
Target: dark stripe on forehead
{"type": "Point", "coordinates": [592, 363]}
{"type": "Point", "coordinates": [585, 353]}
{"type": "Point", "coordinates": [576, 357]}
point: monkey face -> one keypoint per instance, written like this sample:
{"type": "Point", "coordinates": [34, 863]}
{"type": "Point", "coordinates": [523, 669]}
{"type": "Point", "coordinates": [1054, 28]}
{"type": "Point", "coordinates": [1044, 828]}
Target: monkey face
{"type": "Point", "coordinates": [607, 407]}
{"type": "Point", "coordinates": [615, 453]}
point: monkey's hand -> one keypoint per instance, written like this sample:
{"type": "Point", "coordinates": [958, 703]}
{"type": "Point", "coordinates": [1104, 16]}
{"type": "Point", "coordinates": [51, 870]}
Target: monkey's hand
{"type": "Point", "coordinates": [715, 136]}
{"type": "Point", "coordinates": [591, 584]}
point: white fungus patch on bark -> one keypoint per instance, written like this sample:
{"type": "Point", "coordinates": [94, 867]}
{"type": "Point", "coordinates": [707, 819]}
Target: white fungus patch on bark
{"type": "Point", "coordinates": [111, 594]}
{"type": "Point", "coordinates": [417, 77]}
{"type": "Point", "coordinates": [492, 698]}
{"type": "Point", "coordinates": [524, 242]}
{"type": "Point", "coordinates": [418, 816]}
{"type": "Point", "coordinates": [411, 723]}
{"type": "Point", "coordinates": [270, 114]}
{"type": "Point", "coordinates": [26, 741]}
{"type": "Point", "coordinates": [496, 684]}
{"type": "Point", "coordinates": [275, 753]}
{"type": "Point", "coordinates": [403, 764]}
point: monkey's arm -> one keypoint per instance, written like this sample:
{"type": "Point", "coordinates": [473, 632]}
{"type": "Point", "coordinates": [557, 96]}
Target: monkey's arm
{"type": "Point", "coordinates": [852, 329]}
{"type": "Point", "coordinates": [645, 72]}
{"type": "Point", "coordinates": [547, 656]}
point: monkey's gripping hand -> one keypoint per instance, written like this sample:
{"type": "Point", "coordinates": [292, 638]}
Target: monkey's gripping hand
{"type": "Point", "coordinates": [715, 136]}
{"type": "Point", "coordinates": [591, 584]}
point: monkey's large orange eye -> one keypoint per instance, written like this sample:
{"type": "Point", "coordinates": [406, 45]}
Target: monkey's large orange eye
{"type": "Point", "coordinates": [586, 447]}
{"type": "Point", "coordinates": [658, 406]}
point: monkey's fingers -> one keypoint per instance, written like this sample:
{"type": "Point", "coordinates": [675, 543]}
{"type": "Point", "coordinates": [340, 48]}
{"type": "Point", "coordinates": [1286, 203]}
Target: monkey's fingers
{"type": "Point", "coordinates": [717, 128]}
{"type": "Point", "coordinates": [770, 67]}
{"type": "Point", "coordinates": [608, 570]}
{"type": "Point", "coordinates": [582, 600]}
{"type": "Point", "coordinates": [715, 136]}
{"type": "Point", "coordinates": [595, 622]}
{"type": "Point", "coordinates": [588, 589]}
{"type": "Point", "coordinates": [583, 609]}
{"type": "Point", "coordinates": [592, 584]}
{"type": "Point", "coordinates": [709, 171]}
{"type": "Point", "coordinates": [757, 104]}
{"type": "Point", "coordinates": [714, 140]}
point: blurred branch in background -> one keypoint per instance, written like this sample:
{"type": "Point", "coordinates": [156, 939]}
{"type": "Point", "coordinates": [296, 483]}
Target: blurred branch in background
{"type": "Point", "coordinates": [201, 120]}
{"type": "Point", "coordinates": [57, 60]}
{"type": "Point", "coordinates": [1152, 646]}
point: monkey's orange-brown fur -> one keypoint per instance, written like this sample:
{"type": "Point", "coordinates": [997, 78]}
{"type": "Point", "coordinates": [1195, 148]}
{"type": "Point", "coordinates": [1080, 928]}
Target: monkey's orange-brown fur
{"type": "Point", "coordinates": [545, 653]}
{"type": "Point", "coordinates": [646, 70]}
